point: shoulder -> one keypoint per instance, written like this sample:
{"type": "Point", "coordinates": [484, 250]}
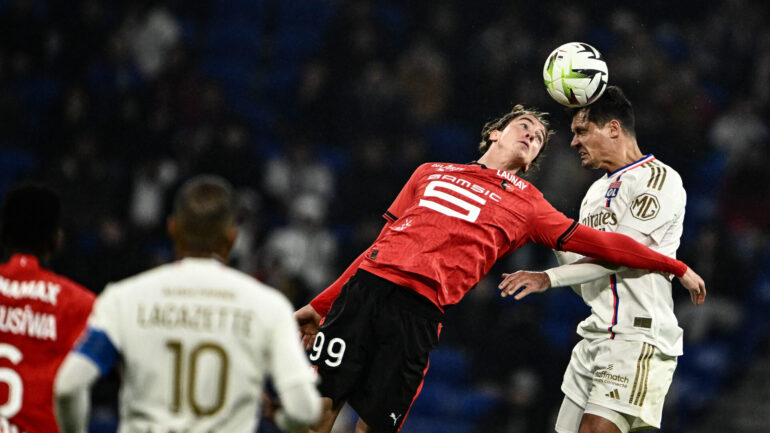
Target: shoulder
{"type": "Point", "coordinates": [142, 277]}
{"type": "Point", "coordinates": [656, 179]}
{"type": "Point", "coordinates": [527, 189]}
{"type": "Point", "coordinates": [71, 291]}
{"type": "Point", "coordinates": [129, 286]}
{"type": "Point", "coordinates": [254, 292]}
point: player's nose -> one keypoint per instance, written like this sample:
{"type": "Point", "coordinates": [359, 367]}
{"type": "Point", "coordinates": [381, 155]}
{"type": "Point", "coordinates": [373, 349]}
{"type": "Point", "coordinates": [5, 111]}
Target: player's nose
{"type": "Point", "coordinates": [529, 135]}
{"type": "Point", "coordinates": [575, 142]}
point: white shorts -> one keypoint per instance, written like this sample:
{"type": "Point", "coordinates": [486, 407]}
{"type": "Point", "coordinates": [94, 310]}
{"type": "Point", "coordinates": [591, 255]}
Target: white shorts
{"type": "Point", "coordinates": [629, 377]}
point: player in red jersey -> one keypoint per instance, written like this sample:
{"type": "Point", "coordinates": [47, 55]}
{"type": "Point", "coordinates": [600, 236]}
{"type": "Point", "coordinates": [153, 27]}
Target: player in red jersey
{"type": "Point", "coordinates": [41, 313]}
{"type": "Point", "coordinates": [447, 227]}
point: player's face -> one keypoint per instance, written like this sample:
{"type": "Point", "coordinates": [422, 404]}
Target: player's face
{"type": "Point", "coordinates": [521, 140]}
{"type": "Point", "coordinates": [592, 142]}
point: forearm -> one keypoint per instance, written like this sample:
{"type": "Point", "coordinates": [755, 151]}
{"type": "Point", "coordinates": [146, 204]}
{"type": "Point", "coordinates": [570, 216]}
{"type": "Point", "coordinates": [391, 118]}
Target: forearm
{"type": "Point", "coordinates": [71, 392]}
{"type": "Point", "coordinates": [300, 407]}
{"type": "Point", "coordinates": [578, 273]}
{"type": "Point", "coordinates": [72, 411]}
{"type": "Point", "coordinates": [621, 249]}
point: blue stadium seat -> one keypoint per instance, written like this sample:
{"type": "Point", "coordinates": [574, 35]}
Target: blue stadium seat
{"type": "Point", "coordinates": [449, 142]}
{"type": "Point", "coordinates": [305, 13]}
{"type": "Point", "coordinates": [38, 94]}
{"type": "Point", "coordinates": [294, 45]}
{"type": "Point", "coordinates": [234, 37]}
{"type": "Point", "coordinates": [448, 365]}
{"type": "Point", "coordinates": [447, 401]}
{"type": "Point", "coordinates": [434, 424]}
{"type": "Point", "coordinates": [14, 163]}
{"type": "Point", "coordinates": [235, 76]}
{"type": "Point", "coordinates": [249, 9]}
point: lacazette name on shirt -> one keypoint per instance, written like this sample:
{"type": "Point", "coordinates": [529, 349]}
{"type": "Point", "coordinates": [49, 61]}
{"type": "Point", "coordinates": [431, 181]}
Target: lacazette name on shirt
{"type": "Point", "coordinates": [178, 312]}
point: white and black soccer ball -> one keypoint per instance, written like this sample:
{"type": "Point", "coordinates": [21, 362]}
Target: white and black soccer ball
{"type": "Point", "coordinates": [575, 74]}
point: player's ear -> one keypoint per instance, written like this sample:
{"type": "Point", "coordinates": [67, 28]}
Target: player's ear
{"type": "Point", "coordinates": [614, 128]}
{"type": "Point", "coordinates": [230, 237]}
{"type": "Point", "coordinates": [494, 135]}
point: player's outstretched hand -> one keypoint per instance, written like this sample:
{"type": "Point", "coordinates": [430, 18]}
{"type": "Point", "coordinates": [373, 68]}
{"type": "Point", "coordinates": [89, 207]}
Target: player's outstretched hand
{"type": "Point", "coordinates": [695, 285]}
{"type": "Point", "coordinates": [308, 320]}
{"type": "Point", "coordinates": [524, 282]}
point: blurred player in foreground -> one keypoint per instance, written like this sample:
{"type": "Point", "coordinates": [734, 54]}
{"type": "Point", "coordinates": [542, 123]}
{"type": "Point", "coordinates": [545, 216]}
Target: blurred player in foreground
{"type": "Point", "coordinates": [41, 313]}
{"type": "Point", "coordinates": [196, 338]}
{"type": "Point", "coordinates": [447, 227]}
{"type": "Point", "coordinates": [620, 372]}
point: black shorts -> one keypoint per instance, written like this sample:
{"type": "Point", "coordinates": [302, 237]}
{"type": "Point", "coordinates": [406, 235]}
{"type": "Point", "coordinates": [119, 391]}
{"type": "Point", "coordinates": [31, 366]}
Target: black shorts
{"type": "Point", "coordinates": [372, 349]}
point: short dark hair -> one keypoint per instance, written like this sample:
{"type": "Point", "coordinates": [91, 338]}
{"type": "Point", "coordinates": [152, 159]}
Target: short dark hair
{"type": "Point", "coordinates": [31, 219]}
{"type": "Point", "coordinates": [503, 121]}
{"type": "Point", "coordinates": [613, 104]}
{"type": "Point", "coordinates": [203, 213]}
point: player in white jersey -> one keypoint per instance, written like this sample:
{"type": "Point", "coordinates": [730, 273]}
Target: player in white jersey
{"type": "Point", "coordinates": [620, 372]}
{"type": "Point", "coordinates": [196, 339]}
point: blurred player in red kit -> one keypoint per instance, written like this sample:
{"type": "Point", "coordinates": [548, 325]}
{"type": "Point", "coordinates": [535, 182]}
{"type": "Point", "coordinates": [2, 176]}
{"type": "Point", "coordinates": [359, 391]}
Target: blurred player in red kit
{"type": "Point", "coordinates": [41, 313]}
{"type": "Point", "coordinates": [447, 227]}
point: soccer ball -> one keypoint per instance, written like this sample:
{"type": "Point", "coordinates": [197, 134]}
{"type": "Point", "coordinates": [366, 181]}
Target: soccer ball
{"type": "Point", "coordinates": [575, 74]}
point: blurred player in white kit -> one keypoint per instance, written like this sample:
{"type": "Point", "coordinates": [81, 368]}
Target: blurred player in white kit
{"type": "Point", "coordinates": [195, 338]}
{"type": "Point", "coordinates": [621, 370]}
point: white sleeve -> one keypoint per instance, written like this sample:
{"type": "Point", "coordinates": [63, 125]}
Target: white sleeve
{"type": "Point", "coordinates": [301, 407]}
{"type": "Point", "coordinates": [105, 315]}
{"type": "Point", "coordinates": [565, 257]}
{"type": "Point", "coordinates": [588, 269]}
{"type": "Point", "coordinates": [292, 374]}
{"type": "Point", "coordinates": [574, 274]}
{"type": "Point", "coordinates": [71, 390]}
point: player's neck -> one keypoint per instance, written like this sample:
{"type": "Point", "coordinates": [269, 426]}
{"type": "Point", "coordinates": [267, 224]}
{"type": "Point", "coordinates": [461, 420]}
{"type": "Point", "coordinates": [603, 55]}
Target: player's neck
{"type": "Point", "coordinates": [628, 154]}
{"type": "Point", "coordinates": [497, 162]}
{"type": "Point", "coordinates": [182, 254]}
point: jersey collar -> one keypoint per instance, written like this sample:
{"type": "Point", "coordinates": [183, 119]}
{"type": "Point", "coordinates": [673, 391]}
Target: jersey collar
{"type": "Point", "coordinates": [633, 165]}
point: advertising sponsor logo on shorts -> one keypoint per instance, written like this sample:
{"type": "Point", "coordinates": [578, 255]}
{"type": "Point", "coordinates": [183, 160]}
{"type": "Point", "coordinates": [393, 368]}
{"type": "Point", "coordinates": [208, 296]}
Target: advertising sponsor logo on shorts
{"type": "Point", "coordinates": [605, 376]}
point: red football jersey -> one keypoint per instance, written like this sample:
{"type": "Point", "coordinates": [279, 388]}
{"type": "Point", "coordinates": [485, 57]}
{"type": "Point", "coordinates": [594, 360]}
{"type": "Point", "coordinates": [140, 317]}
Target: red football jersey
{"type": "Point", "coordinates": [41, 316]}
{"type": "Point", "coordinates": [451, 222]}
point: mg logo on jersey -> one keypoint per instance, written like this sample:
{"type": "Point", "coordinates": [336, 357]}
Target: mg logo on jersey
{"type": "Point", "coordinates": [612, 192]}
{"type": "Point", "coordinates": [645, 207]}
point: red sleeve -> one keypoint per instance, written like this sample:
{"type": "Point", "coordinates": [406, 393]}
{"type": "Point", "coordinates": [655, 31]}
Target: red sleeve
{"type": "Point", "coordinates": [617, 248]}
{"type": "Point", "coordinates": [323, 302]}
{"type": "Point", "coordinates": [550, 227]}
{"type": "Point", "coordinates": [546, 225]}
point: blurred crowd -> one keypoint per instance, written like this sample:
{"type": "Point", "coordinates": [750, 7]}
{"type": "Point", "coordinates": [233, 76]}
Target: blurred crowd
{"type": "Point", "coordinates": [319, 110]}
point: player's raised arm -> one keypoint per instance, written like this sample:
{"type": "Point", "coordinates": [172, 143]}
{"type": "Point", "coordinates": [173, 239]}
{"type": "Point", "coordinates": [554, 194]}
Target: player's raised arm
{"type": "Point", "coordinates": [551, 228]}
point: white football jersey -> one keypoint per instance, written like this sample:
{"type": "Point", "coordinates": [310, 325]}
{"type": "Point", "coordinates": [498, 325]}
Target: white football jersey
{"type": "Point", "coordinates": [646, 197]}
{"type": "Point", "coordinates": [197, 339]}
